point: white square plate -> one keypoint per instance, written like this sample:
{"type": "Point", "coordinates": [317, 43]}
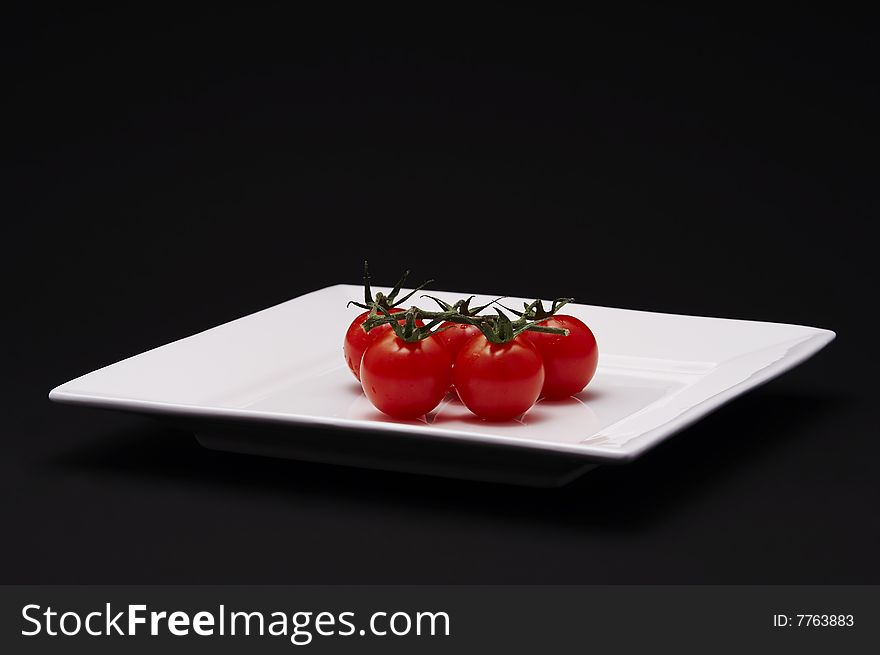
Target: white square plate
{"type": "Point", "coordinates": [657, 373]}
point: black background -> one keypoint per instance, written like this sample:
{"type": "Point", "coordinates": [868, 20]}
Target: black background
{"type": "Point", "coordinates": [164, 172]}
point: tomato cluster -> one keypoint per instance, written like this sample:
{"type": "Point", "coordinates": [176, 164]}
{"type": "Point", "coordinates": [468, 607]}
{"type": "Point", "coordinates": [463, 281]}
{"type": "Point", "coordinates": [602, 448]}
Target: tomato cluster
{"type": "Point", "coordinates": [407, 361]}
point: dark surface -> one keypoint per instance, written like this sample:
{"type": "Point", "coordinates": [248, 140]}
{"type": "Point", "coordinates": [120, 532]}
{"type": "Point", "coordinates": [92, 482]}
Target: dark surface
{"type": "Point", "coordinates": [164, 173]}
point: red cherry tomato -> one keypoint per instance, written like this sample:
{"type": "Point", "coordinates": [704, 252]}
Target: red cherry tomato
{"type": "Point", "coordinates": [356, 340]}
{"type": "Point", "coordinates": [569, 361]}
{"type": "Point", "coordinates": [405, 379]}
{"type": "Point", "coordinates": [456, 336]}
{"type": "Point", "coordinates": [498, 381]}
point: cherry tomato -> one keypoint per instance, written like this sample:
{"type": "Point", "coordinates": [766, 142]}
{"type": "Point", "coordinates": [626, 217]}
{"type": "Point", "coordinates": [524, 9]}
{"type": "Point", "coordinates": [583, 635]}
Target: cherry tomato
{"type": "Point", "coordinates": [498, 381]}
{"type": "Point", "coordinates": [356, 340]}
{"type": "Point", "coordinates": [405, 379]}
{"type": "Point", "coordinates": [456, 336]}
{"type": "Point", "coordinates": [569, 361]}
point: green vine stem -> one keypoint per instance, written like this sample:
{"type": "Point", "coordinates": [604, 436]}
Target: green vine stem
{"type": "Point", "coordinates": [462, 306]}
{"type": "Point", "coordinates": [497, 329]}
{"type": "Point", "coordinates": [381, 300]}
{"type": "Point", "coordinates": [534, 311]}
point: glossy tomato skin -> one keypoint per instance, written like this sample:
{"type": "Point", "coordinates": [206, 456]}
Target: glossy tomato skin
{"type": "Point", "coordinates": [356, 341]}
{"type": "Point", "coordinates": [569, 361]}
{"type": "Point", "coordinates": [498, 382]}
{"type": "Point", "coordinates": [405, 380]}
{"type": "Point", "coordinates": [456, 336]}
